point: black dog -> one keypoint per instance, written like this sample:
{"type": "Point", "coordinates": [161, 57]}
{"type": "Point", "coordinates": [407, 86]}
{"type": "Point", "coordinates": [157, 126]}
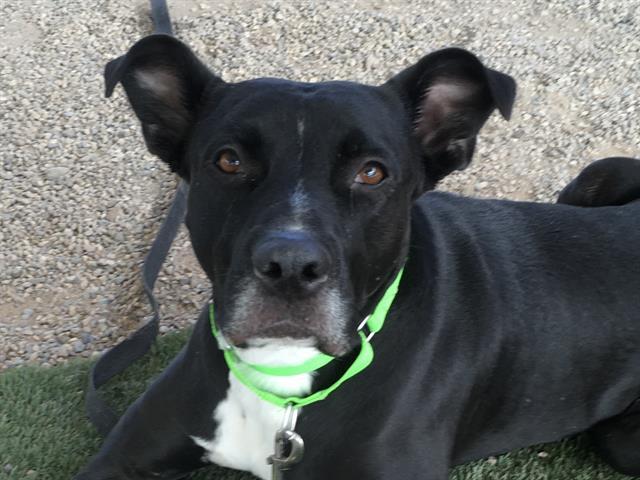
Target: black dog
{"type": "Point", "coordinates": [514, 324]}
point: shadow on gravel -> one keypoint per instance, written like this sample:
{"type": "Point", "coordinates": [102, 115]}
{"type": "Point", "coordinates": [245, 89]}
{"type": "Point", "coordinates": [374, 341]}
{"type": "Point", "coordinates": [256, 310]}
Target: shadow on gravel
{"type": "Point", "coordinates": [46, 436]}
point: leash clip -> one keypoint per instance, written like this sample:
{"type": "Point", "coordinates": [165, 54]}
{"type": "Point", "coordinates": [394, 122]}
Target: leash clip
{"type": "Point", "coordinates": [289, 445]}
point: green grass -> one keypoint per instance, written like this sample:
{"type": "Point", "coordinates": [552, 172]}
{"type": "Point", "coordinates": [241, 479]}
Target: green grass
{"type": "Point", "coordinates": [43, 428]}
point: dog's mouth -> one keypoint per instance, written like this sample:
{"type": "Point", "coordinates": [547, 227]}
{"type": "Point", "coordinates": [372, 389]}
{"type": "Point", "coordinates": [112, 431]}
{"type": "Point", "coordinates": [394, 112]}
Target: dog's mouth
{"type": "Point", "coordinates": [278, 332]}
{"type": "Point", "coordinates": [284, 334]}
{"type": "Point", "coordinates": [320, 321]}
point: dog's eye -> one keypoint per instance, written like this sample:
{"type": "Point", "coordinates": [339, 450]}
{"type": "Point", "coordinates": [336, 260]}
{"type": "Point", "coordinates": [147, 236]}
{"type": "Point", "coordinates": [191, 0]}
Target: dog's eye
{"type": "Point", "coordinates": [372, 173]}
{"type": "Point", "coordinates": [228, 161]}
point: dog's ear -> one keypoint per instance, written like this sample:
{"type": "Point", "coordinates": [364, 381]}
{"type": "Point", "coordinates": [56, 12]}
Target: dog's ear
{"type": "Point", "coordinates": [164, 82]}
{"type": "Point", "coordinates": [449, 95]}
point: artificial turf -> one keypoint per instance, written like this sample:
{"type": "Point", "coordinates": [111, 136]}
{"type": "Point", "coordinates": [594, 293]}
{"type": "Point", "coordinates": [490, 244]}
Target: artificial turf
{"type": "Point", "coordinates": [44, 434]}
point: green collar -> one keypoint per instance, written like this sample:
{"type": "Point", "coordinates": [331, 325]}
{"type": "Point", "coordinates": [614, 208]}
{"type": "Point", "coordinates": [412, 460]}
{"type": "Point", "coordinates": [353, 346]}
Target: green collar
{"type": "Point", "coordinates": [374, 323]}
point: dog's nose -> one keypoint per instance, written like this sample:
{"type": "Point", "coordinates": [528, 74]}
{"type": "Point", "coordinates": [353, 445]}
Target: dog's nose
{"type": "Point", "coordinates": [286, 260]}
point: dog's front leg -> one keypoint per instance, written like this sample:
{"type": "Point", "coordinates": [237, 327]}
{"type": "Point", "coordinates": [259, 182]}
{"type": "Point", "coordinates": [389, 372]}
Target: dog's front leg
{"type": "Point", "coordinates": [154, 438]}
{"type": "Point", "coordinates": [399, 456]}
{"type": "Point", "coordinates": [393, 463]}
{"type": "Point", "coordinates": [385, 465]}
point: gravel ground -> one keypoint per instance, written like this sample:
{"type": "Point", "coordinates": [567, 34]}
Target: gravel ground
{"type": "Point", "coordinates": [81, 198]}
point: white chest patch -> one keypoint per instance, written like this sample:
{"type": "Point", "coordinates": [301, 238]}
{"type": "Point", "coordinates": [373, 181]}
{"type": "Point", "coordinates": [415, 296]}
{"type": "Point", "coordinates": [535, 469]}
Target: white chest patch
{"type": "Point", "coordinates": [247, 424]}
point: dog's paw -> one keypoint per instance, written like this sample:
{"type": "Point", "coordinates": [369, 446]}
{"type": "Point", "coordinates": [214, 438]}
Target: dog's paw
{"type": "Point", "coordinates": [610, 181]}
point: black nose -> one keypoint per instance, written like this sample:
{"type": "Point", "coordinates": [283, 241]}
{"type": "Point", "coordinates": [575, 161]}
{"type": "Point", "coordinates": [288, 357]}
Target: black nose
{"type": "Point", "coordinates": [291, 260]}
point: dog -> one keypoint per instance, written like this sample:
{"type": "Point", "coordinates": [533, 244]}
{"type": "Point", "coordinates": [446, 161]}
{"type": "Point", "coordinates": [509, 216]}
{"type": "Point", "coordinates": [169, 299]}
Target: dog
{"type": "Point", "coordinates": [514, 323]}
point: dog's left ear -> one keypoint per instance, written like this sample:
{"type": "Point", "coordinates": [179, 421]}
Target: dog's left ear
{"type": "Point", "coordinates": [449, 94]}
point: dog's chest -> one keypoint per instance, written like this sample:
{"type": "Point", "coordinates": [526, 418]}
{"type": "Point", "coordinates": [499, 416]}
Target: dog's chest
{"type": "Point", "coordinates": [246, 424]}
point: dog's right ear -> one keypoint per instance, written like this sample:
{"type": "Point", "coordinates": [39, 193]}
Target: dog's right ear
{"type": "Point", "coordinates": [164, 82]}
{"type": "Point", "coordinates": [448, 96]}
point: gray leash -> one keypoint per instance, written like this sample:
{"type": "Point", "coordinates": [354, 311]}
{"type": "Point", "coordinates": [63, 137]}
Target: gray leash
{"type": "Point", "coordinates": [118, 358]}
{"type": "Point", "coordinates": [121, 356]}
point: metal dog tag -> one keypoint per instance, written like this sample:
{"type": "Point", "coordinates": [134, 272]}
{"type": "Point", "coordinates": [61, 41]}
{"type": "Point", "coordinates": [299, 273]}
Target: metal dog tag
{"type": "Point", "coordinates": [288, 447]}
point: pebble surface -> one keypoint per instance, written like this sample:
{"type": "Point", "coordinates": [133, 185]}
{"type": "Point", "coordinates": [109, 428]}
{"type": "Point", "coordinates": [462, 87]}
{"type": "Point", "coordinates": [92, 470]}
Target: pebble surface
{"type": "Point", "coordinates": [81, 198]}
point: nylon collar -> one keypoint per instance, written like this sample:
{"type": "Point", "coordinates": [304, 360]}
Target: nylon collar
{"type": "Point", "coordinates": [374, 324]}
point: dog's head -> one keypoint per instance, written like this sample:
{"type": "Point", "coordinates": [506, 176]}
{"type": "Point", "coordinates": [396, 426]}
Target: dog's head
{"type": "Point", "coordinates": [300, 193]}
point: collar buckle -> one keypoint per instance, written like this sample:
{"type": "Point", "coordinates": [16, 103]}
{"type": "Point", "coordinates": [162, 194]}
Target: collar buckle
{"type": "Point", "coordinates": [365, 323]}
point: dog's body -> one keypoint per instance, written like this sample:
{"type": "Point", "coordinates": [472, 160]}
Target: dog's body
{"type": "Point", "coordinates": [514, 324]}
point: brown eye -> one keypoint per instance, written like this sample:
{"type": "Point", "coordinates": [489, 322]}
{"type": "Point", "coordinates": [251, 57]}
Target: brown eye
{"type": "Point", "coordinates": [371, 174]}
{"type": "Point", "coordinates": [228, 162]}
